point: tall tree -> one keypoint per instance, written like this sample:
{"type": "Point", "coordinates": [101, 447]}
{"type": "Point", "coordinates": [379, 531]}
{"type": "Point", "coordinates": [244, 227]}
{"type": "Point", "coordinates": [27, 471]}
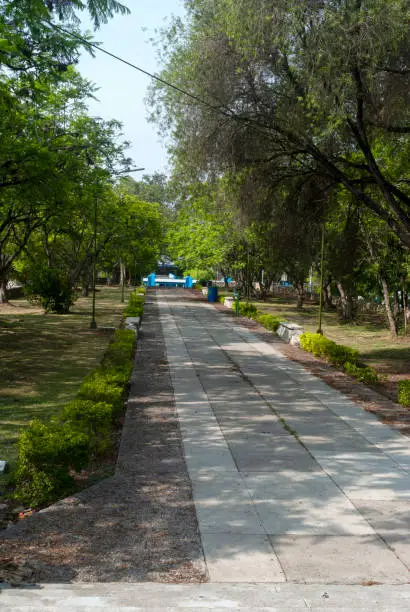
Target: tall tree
{"type": "Point", "coordinates": [295, 90]}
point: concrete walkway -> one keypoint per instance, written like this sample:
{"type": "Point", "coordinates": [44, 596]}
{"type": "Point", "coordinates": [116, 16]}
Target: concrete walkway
{"type": "Point", "coordinates": [291, 480]}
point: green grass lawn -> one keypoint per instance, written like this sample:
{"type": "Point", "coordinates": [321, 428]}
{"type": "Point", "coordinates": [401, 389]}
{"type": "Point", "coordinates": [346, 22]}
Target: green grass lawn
{"type": "Point", "coordinates": [44, 358]}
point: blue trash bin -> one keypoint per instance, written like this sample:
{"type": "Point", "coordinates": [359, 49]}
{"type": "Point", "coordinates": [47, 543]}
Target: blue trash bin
{"type": "Point", "coordinates": [212, 294]}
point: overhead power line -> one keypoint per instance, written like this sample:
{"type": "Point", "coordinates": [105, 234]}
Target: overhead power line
{"type": "Point", "coordinates": [155, 77]}
{"type": "Point", "coordinates": [146, 72]}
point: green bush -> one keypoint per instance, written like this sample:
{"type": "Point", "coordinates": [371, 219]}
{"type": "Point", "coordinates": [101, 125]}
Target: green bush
{"type": "Point", "coordinates": [121, 349]}
{"type": "Point", "coordinates": [246, 309]}
{"type": "Point", "coordinates": [364, 374]}
{"type": "Point", "coordinates": [119, 375]}
{"type": "Point", "coordinates": [321, 346]}
{"type": "Point", "coordinates": [135, 306]}
{"type": "Point", "coordinates": [51, 288]}
{"type": "Point", "coordinates": [268, 321]}
{"type": "Point", "coordinates": [98, 389]}
{"type": "Point", "coordinates": [46, 454]}
{"type": "Point", "coordinates": [404, 392]}
{"type": "Point", "coordinates": [94, 419]}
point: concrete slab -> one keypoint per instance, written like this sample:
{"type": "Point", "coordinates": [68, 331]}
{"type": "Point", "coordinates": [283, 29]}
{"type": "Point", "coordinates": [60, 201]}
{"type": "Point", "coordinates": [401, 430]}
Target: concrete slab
{"type": "Point", "coordinates": [338, 560]}
{"type": "Point", "coordinates": [370, 475]}
{"type": "Point", "coordinates": [311, 516]}
{"type": "Point", "coordinates": [301, 462]}
{"type": "Point", "coordinates": [241, 558]}
{"type": "Point", "coordinates": [392, 521]}
{"type": "Point", "coordinates": [223, 504]}
{"type": "Point", "coordinates": [290, 484]}
{"type": "Point", "coordinates": [221, 597]}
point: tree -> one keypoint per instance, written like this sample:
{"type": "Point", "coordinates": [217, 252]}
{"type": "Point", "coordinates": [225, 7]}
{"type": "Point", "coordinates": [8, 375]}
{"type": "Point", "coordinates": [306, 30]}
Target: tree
{"type": "Point", "coordinates": [294, 90]}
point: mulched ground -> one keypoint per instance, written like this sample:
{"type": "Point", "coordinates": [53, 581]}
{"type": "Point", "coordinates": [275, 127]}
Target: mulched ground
{"type": "Point", "coordinates": [370, 399]}
{"type": "Point", "coordinates": [139, 525]}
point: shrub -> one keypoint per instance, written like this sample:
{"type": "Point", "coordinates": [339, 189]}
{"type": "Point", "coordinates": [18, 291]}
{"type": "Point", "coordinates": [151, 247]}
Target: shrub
{"type": "Point", "coordinates": [404, 392]}
{"type": "Point", "coordinates": [321, 346]}
{"type": "Point", "coordinates": [364, 374]}
{"type": "Point", "coordinates": [46, 453]}
{"type": "Point", "coordinates": [97, 389]}
{"type": "Point", "coordinates": [94, 419]}
{"type": "Point", "coordinates": [52, 289]}
{"type": "Point", "coordinates": [268, 321]}
{"type": "Point", "coordinates": [120, 351]}
{"type": "Point", "coordinates": [246, 309]}
{"type": "Point", "coordinates": [135, 306]}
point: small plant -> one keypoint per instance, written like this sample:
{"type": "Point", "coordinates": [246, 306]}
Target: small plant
{"type": "Point", "coordinates": [46, 454]}
{"type": "Point", "coordinates": [404, 392]}
{"type": "Point", "coordinates": [268, 321]}
{"type": "Point", "coordinates": [246, 309]}
{"type": "Point", "coordinates": [364, 374]}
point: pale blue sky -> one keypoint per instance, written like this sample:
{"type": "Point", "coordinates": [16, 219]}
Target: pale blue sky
{"type": "Point", "coordinates": [121, 89]}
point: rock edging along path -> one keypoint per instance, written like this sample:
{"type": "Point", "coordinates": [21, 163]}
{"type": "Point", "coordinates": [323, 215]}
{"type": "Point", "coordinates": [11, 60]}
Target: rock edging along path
{"type": "Point", "coordinates": [291, 480]}
{"type": "Point", "coordinates": [138, 525]}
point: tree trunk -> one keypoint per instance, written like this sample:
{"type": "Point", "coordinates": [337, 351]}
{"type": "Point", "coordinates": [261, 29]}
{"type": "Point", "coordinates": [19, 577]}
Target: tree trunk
{"type": "Point", "coordinates": [346, 304]}
{"type": "Point", "coordinates": [390, 317]}
{"type": "Point", "coordinates": [300, 297]}
{"type": "Point", "coordinates": [3, 291]}
{"type": "Point", "coordinates": [122, 274]}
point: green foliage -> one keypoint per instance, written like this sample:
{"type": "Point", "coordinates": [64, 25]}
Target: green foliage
{"type": "Point", "coordinates": [52, 289]}
{"type": "Point", "coordinates": [120, 351]}
{"type": "Point", "coordinates": [404, 392]}
{"type": "Point", "coordinates": [246, 309]}
{"type": "Point", "coordinates": [135, 306]}
{"type": "Point", "coordinates": [46, 452]}
{"type": "Point", "coordinates": [269, 321]}
{"type": "Point", "coordinates": [322, 347]}
{"type": "Point", "coordinates": [98, 389]}
{"type": "Point", "coordinates": [221, 298]}
{"type": "Point", "coordinates": [364, 374]}
{"type": "Point", "coordinates": [92, 418]}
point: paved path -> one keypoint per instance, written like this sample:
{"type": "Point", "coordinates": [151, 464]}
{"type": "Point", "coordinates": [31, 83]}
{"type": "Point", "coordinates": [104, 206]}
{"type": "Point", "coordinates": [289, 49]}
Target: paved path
{"type": "Point", "coordinates": [291, 480]}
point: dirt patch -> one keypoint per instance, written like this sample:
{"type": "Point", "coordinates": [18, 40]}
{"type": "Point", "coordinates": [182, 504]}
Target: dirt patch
{"type": "Point", "coordinates": [139, 525]}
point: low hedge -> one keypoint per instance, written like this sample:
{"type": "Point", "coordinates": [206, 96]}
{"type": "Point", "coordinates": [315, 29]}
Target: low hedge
{"type": "Point", "coordinates": [135, 306]}
{"type": "Point", "coordinates": [269, 321]}
{"type": "Point", "coordinates": [48, 454]}
{"type": "Point", "coordinates": [364, 374]}
{"type": "Point", "coordinates": [404, 392]}
{"type": "Point", "coordinates": [321, 346]}
{"type": "Point", "coordinates": [246, 309]}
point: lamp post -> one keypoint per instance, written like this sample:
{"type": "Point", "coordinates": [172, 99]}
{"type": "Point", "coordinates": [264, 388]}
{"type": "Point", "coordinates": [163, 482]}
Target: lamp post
{"type": "Point", "coordinates": [319, 330]}
{"type": "Point", "coordinates": [93, 324]}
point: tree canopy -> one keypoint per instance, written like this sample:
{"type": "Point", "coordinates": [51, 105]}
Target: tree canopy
{"type": "Point", "coordinates": [307, 91]}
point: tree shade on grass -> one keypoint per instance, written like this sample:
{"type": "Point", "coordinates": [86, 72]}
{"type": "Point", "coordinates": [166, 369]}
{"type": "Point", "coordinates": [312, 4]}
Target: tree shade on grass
{"type": "Point", "coordinates": [44, 358]}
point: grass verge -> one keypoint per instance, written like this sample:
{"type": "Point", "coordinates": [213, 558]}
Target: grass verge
{"type": "Point", "coordinates": [44, 359]}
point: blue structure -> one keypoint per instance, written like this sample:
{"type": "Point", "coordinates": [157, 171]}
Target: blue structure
{"type": "Point", "coordinates": [151, 280]}
{"type": "Point", "coordinates": [189, 282]}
